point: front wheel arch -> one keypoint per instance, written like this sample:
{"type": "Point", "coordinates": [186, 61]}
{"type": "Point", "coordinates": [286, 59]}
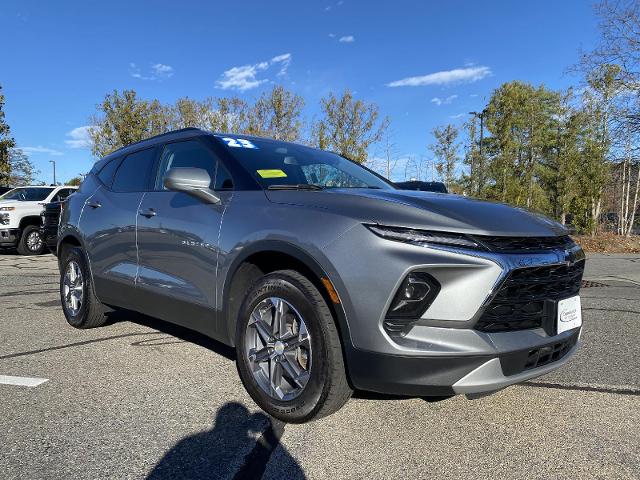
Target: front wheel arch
{"type": "Point", "coordinates": [250, 265]}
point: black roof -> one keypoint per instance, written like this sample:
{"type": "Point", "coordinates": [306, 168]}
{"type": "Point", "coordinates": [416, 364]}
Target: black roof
{"type": "Point", "coordinates": [173, 135]}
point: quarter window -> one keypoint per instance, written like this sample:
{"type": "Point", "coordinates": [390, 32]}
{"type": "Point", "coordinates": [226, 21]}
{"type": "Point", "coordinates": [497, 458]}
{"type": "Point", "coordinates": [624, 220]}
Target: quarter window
{"type": "Point", "coordinates": [223, 178]}
{"type": "Point", "coordinates": [134, 172]}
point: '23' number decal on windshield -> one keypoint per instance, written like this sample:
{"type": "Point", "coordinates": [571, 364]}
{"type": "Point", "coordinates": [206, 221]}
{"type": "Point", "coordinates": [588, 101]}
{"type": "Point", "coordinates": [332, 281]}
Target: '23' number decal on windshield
{"type": "Point", "coordinates": [238, 142]}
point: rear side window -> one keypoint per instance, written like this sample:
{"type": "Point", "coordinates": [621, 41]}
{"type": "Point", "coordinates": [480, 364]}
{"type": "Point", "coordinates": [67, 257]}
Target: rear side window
{"type": "Point", "coordinates": [190, 153]}
{"type": "Point", "coordinates": [107, 172]}
{"type": "Point", "coordinates": [134, 172]}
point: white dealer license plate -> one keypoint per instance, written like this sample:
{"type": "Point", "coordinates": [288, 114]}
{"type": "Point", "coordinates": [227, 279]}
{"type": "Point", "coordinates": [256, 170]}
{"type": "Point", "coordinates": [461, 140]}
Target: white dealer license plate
{"type": "Point", "coordinates": [569, 314]}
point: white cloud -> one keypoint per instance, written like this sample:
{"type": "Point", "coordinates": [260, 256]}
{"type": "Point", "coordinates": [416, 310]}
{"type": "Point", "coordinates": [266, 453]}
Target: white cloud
{"type": "Point", "coordinates": [444, 101]}
{"type": "Point", "coordinates": [284, 60]}
{"type": "Point", "coordinates": [457, 75]}
{"type": "Point", "coordinates": [79, 137]}
{"type": "Point", "coordinates": [457, 116]}
{"type": "Point", "coordinates": [347, 39]}
{"type": "Point", "coordinates": [41, 149]}
{"type": "Point", "coordinates": [245, 77]}
{"type": "Point", "coordinates": [332, 35]}
{"type": "Point", "coordinates": [162, 70]}
{"type": "Point", "coordinates": [157, 71]}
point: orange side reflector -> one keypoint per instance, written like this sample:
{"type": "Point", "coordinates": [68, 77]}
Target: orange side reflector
{"type": "Point", "coordinates": [332, 291]}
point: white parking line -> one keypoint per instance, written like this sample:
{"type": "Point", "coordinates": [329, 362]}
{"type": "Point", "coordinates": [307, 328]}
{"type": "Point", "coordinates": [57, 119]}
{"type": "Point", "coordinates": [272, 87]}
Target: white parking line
{"type": "Point", "coordinates": [22, 381]}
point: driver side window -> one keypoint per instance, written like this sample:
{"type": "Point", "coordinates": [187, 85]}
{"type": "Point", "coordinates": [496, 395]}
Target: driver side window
{"type": "Point", "coordinates": [192, 154]}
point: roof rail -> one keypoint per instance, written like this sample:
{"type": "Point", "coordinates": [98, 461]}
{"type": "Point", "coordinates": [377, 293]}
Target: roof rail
{"type": "Point", "coordinates": [187, 129]}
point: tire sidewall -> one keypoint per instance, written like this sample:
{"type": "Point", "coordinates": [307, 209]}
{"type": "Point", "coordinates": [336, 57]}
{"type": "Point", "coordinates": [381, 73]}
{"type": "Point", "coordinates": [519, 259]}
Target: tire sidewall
{"type": "Point", "coordinates": [304, 406]}
{"type": "Point", "coordinates": [75, 254]}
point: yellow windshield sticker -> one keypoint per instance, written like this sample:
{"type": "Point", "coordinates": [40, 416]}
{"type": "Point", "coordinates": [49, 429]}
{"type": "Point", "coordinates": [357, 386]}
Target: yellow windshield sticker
{"type": "Point", "coordinates": [271, 173]}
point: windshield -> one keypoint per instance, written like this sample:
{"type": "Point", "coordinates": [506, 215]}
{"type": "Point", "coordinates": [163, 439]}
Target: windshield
{"type": "Point", "coordinates": [274, 164]}
{"type": "Point", "coordinates": [27, 194]}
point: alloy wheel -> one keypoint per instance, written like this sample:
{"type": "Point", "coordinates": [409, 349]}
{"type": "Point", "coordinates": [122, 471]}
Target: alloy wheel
{"type": "Point", "coordinates": [34, 241]}
{"type": "Point", "coordinates": [278, 347]}
{"type": "Point", "coordinates": [73, 288]}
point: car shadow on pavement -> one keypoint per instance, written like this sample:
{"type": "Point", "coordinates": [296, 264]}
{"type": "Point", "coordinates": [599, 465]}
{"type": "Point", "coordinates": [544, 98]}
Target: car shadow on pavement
{"type": "Point", "coordinates": [238, 446]}
{"type": "Point", "coordinates": [174, 330]}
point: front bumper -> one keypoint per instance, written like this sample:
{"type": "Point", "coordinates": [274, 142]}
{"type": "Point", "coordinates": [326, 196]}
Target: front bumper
{"type": "Point", "coordinates": [446, 375]}
{"type": "Point", "coordinates": [445, 351]}
{"type": "Point", "coordinates": [9, 237]}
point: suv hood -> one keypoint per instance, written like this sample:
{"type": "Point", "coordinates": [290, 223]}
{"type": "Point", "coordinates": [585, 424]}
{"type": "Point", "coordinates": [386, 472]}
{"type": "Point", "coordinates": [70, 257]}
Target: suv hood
{"type": "Point", "coordinates": [425, 210]}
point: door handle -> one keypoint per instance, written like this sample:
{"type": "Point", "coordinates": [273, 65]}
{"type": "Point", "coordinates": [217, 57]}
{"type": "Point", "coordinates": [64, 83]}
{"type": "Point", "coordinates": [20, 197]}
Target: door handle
{"type": "Point", "coordinates": [94, 204]}
{"type": "Point", "coordinates": [150, 212]}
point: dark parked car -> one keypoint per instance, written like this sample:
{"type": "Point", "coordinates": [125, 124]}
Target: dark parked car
{"type": "Point", "coordinates": [437, 187]}
{"type": "Point", "coordinates": [49, 228]}
{"type": "Point", "coordinates": [321, 274]}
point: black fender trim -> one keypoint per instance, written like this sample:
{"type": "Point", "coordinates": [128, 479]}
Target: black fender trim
{"type": "Point", "coordinates": [66, 236]}
{"type": "Point", "coordinates": [310, 262]}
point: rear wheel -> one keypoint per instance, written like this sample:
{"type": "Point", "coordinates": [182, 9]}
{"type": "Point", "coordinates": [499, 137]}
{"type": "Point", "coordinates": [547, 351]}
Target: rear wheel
{"type": "Point", "coordinates": [31, 241]}
{"type": "Point", "coordinates": [288, 349]}
{"type": "Point", "coordinates": [81, 307]}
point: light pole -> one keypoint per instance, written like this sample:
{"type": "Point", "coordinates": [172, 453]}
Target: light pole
{"type": "Point", "coordinates": [478, 172]}
{"type": "Point", "coordinates": [54, 171]}
{"type": "Point", "coordinates": [481, 117]}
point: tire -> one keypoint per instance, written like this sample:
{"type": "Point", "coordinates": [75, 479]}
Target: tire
{"type": "Point", "coordinates": [318, 361]}
{"type": "Point", "coordinates": [26, 245]}
{"type": "Point", "coordinates": [90, 313]}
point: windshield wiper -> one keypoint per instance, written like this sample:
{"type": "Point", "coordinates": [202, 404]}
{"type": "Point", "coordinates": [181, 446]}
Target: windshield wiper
{"type": "Point", "coordinates": [364, 186]}
{"type": "Point", "coordinates": [296, 186]}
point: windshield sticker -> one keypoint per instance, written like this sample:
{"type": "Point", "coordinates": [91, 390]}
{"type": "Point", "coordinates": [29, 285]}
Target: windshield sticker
{"type": "Point", "coordinates": [238, 142]}
{"type": "Point", "coordinates": [271, 173]}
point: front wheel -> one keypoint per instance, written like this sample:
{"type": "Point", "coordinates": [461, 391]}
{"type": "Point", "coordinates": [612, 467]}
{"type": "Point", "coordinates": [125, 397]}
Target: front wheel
{"type": "Point", "coordinates": [288, 349]}
{"type": "Point", "coordinates": [31, 241]}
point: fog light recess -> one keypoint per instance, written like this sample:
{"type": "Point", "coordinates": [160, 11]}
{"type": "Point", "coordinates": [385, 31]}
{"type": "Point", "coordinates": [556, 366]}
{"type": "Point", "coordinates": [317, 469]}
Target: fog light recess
{"type": "Point", "coordinates": [416, 293]}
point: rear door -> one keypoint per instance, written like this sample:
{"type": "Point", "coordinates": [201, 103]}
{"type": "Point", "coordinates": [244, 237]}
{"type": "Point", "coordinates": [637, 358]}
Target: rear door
{"type": "Point", "coordinates": [109, 221]}
{"type": "Point", "coordinates": [178, 241]}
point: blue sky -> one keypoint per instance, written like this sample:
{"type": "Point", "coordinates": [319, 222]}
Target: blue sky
{"type": "Point", "coordinates": [425, 63]}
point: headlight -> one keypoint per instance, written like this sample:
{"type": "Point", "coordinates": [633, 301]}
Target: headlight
{"type": "Point", "coordinates": [423, 237]}
{"type": "Point", "coordinates": [7, 209]}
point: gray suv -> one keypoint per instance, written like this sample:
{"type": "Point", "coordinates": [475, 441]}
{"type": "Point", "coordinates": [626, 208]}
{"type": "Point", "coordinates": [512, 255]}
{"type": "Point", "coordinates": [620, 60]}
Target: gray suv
{"type": "Point", "coordinates": [323, 276]}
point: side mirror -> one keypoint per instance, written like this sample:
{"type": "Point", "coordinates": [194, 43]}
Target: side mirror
{"type": "Point", "coordinates": [194, 181]}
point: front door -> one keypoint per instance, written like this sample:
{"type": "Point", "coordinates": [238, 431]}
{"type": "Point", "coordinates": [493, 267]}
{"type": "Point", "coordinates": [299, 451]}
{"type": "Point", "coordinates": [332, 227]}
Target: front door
{"type": "Point", "coordinates": [178, 242]}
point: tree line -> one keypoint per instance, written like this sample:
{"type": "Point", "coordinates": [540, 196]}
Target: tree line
{"type": "Point", "coordinates": [348, 125]}
{"type": "Point", "coordinates": [571, 154]}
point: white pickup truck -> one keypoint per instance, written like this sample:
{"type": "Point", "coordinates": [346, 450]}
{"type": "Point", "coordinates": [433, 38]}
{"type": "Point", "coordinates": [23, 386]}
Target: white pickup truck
{"type": "Point", "coordinates": [20, 220]}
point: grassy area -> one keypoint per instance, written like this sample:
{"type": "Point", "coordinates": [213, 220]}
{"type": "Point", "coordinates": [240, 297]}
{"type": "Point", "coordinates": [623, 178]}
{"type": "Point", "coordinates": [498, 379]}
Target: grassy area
{"type": "Point", "coordinates": [609, 243]}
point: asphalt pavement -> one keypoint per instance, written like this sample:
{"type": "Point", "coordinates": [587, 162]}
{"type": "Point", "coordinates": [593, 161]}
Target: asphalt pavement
{"type": "Point", "coordinates": [140, 398]}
